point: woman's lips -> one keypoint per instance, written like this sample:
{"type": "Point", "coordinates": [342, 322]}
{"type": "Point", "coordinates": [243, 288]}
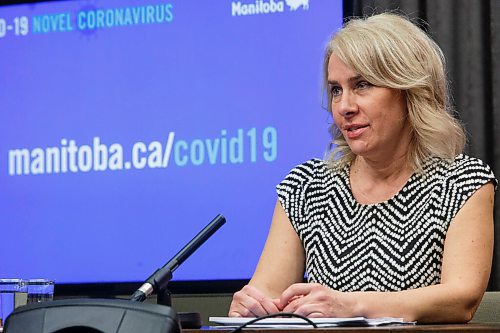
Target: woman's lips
{"type": "Point", "coordinates": [355, 131]}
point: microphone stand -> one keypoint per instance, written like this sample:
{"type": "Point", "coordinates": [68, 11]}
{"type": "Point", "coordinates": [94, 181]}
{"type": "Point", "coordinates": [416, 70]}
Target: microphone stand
{"type": "Point", "coordinates": [164, 297]}
{"type": "Point", "coordinates": [158, 281]}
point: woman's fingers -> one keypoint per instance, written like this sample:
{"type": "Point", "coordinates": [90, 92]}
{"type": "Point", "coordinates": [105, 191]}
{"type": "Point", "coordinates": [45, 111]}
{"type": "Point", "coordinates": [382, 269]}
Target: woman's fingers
{"type": "Point", "coordinates": [251, 302]}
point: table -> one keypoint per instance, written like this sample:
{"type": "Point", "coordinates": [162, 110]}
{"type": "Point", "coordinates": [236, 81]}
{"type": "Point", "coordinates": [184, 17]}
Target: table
{"type": "Point", "coordinates": [484, 328]}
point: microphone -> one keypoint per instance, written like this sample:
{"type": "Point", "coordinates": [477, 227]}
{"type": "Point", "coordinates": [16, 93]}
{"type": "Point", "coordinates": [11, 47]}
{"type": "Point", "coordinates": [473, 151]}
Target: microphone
{"type": "Point", "coordinates": [160, 278]}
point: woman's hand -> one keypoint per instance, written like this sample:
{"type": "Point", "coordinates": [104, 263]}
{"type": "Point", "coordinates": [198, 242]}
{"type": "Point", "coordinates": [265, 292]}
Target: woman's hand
{"type": "Point", "coordinates": [251, 302]}
{"type": "Point", "coordinates": [316, 300]}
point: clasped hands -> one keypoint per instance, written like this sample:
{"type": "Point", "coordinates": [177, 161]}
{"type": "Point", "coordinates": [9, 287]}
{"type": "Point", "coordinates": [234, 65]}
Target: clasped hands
{"type": "Point", "coordinates": [306, 299]}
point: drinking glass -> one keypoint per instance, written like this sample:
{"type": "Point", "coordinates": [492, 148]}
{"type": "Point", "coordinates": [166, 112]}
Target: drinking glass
{"type": "Point", "coordinates": [13, 293]}
{"type": "Point", "coordinates": [40, 290]}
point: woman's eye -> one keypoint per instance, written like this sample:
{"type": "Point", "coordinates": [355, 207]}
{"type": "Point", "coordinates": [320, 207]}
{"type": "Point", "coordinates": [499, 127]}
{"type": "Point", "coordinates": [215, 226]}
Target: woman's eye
{"type": "Point", "coordinates": [363, 85]}
{"type": "Point", "coordinates": [336, 91]}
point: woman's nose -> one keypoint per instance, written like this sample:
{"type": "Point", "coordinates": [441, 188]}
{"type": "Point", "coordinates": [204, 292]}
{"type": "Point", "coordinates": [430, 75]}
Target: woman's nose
{"type": "Point", "coordinates": [347, 105]}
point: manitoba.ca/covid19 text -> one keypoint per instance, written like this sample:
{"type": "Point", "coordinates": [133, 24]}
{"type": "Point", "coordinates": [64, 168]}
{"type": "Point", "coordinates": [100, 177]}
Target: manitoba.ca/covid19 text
{"type": "Point", "coordinates": [236, 147]}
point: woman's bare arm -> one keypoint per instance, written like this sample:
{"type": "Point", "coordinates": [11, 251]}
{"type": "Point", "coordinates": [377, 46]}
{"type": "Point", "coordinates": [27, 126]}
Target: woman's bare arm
{"type": "Point", "coordinates": [281, 264]}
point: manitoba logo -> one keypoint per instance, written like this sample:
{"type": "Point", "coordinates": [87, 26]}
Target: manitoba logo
{"type": "Point", "coordinates": [295, 4]}
{"type": "Point", "coordinates": [266, 7]}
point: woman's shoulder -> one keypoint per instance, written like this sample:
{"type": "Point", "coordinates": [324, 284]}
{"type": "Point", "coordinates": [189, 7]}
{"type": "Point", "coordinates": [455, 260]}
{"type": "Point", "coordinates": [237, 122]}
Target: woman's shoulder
{"type": "Point", "coordinates": [466, 163]}
{"type": "Point", "coordinates": [464, 160]}
{"type": "Point", "coordinates": [312, 164]}
{"type": "Point", "coordinates": [311, 169]}
{"type": "Point", "coordinates": [462, 167]}
{"type": "Point", "coordinates": [460, 162]}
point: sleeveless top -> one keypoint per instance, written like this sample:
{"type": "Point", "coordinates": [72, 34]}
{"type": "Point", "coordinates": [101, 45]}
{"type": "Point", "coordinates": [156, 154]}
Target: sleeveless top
{"type": "Point", "coordinates": [389, 246]}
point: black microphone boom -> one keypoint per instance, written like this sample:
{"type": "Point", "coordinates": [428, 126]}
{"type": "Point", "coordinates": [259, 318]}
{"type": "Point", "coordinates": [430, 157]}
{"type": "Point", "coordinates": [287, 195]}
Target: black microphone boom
{"type": "Point", "coordinates": [160, 278]}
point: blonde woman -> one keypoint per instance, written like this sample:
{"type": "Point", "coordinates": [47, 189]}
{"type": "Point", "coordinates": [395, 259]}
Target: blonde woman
{"type": "Point", "coordinates": [397, 221]}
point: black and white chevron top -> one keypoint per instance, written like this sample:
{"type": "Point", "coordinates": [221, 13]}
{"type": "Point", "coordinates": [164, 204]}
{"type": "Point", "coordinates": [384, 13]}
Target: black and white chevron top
{"type": "Point", "coordinates": [389, 246]}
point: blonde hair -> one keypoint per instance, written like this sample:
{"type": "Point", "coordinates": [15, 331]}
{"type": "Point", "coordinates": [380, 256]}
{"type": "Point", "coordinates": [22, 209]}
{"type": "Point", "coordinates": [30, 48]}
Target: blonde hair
{"type": "Point", "coordinates": [390, 51]}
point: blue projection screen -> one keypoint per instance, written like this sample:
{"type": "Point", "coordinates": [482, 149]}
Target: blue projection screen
{"type": "Point", "coordinates": [126, 126]}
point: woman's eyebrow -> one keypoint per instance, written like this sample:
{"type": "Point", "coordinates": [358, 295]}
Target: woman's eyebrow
{"type": "Point", "coordinates": [350, 80]}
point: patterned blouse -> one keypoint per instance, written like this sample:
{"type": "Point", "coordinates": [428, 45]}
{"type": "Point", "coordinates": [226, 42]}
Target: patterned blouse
{"type": "Point", "coordinates": [389, 246]}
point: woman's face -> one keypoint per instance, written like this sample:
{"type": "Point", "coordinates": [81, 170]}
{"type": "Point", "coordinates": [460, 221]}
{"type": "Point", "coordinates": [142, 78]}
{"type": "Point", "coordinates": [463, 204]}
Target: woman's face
{"type": "Point", "coordinates": [372, 119]}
